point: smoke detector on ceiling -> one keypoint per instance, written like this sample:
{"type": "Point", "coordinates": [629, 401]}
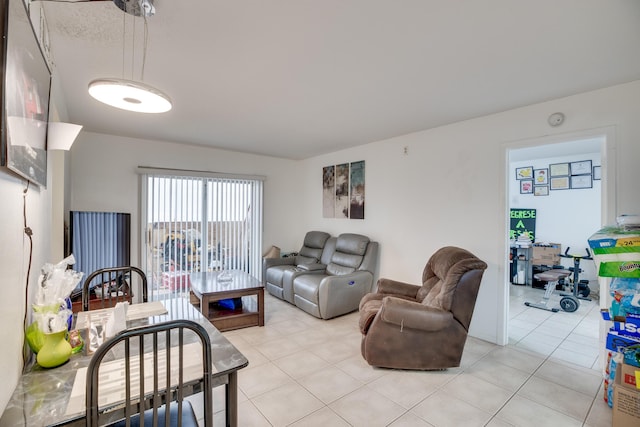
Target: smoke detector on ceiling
{"type": "Point", "coordinates": [555, 119]}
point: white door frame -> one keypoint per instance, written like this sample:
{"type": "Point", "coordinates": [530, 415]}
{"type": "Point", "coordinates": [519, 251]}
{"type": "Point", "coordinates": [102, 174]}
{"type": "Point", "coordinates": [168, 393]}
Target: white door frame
{"type": "Point", "coordinates": [608, 155]}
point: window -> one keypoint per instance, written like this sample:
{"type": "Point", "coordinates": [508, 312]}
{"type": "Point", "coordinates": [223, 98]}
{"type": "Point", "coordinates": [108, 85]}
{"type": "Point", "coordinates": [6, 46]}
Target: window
{"type": "Point", "coordinates": [200, 223]}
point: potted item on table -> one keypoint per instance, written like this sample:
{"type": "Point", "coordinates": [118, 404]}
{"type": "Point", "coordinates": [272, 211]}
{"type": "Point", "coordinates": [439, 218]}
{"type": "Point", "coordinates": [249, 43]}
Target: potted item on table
{"type": "Point", "coordinates": [47, 334]}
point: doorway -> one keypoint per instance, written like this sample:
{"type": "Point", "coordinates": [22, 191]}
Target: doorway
{"type": "Point", "coordinates": [569, 208]}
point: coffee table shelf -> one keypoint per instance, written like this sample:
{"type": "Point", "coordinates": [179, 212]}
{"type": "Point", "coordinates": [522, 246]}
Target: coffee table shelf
{"type": "Point", "coordinates": [208, 290]}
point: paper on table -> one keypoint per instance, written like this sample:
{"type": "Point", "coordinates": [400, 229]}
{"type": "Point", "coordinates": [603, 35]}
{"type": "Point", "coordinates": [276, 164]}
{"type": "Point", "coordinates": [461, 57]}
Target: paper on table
{"type": "Point", "coordinates": [112, 380]}
{"type": "Point", "coordinates": [117, 320]}
{"type": "Point", "coordinates": [135, 311]}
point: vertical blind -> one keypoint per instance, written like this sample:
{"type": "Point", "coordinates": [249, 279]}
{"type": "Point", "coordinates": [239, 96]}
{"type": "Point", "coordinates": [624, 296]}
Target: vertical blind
{"type": "Point", "coordinates": [100, 240]}
{"type": "Point", "coordinates": [199, 223]}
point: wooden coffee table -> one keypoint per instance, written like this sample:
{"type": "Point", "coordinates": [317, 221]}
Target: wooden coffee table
{"type": "Point", "coordinates": [209, 290]}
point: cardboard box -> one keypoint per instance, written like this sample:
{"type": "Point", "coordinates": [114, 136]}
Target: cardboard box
{"type": "Point", "coordinates": [628, 326]}
{"type": "Point", "coordinates": [615, 341]}
{"type": "Point", "coordinates": [626, 400]}
{"type": "Point", "coordinates": [628, 377]}
{"type": "Point", "coordinates": [545, 254]}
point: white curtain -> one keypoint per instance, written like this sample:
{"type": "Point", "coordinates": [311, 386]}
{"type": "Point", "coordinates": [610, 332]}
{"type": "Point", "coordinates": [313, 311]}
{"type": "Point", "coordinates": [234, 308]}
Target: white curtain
{"type": "Point", "coordinates": [199, 223]}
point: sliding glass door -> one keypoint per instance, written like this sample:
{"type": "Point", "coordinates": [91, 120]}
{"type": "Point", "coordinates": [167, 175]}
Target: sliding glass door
{"type": "Point", "coordinates": [200, 223]}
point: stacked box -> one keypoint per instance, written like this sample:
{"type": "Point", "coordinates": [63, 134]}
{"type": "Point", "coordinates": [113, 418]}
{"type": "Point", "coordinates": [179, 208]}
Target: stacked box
{"type": "Point", "coordinates": [616, 252]}
{"type": "Point", "coordinates": [626, 401]}
{"type": "Point", "coordinates": [546, 254]}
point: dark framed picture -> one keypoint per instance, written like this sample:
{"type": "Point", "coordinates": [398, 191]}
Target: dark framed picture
{"type": "Point", "coordinates": [581, 168]}
{"type": "Point", "coordinates": [541, 190]}
{"type": "Point", "coordinates": [581, 181]}
{"type": "Point", "coordinates": [541, 176]}
{"type": "Point", "coordinates": [559, 169]}
{"type": "Point", "coordinates": [526, 186]}
{"type": "Point", "coordinates": [597, 173]}
{"type": "Point", "coordinates": [25, 88]}
{"type": "Point", "coordinates": [559, 183]}
{"type": "Point", "coordinates": [524, 172]}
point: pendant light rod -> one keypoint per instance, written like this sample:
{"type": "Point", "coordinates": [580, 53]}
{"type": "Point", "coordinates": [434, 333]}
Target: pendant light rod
{"type": "Point", "coordinates": [136, 7]}
{"type": "Point", "coordinates": [128, 94]}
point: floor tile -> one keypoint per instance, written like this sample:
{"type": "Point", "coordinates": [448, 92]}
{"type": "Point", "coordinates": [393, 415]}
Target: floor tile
{"type": "Point", "coordinates": [444, 410]}
{"type": "Point", "coordinates": [410, 420]}
{"type": "Point", "coordinates": [584, 360]}
{"type": "Point", "coordinates": [335, 350]}
{"type": "Point", "coordinates": [260, 379]}
{"type": "Point", "coordinates": [277, 348]}
{"type": "Point", "coordinates": [499, 374]}
{"type": "Point", "coordinates": [322, 418]}
{"type": "Point", "coordinates": [404, 388]}
{"type": "Point", "coordinates": [497, 422]}
{"type": "Point", "coordinates": [558, 397]}
{"type": "Point", "coordinates": [478, 392]}
{"type": "Point", "coordinates": [523, 412]}
{"type": "Point", "coordinates": [300, 364]}
{"type": "Point", "coordinates": [600, 415]}
{"type": "Point", "coordinates": [520, 359]}
{"type": "Point", "coordinates": [249, 416]}
{"type": "Point", "coordinates": [329, 384]}
{"type": "Point", "coordinates": [367, 408]}
{"type": "Point", "coordinates": [287, 404]}
{"type": "Point", "coordinates": [359, 369]}
{"type": "Point", "coordinates": [577, 378]}
{"type": "Point", "coordinates": [311, 338]}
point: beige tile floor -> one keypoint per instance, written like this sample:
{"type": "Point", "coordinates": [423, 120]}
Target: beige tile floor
{"type": "Point", "coordinates": [309, 372]}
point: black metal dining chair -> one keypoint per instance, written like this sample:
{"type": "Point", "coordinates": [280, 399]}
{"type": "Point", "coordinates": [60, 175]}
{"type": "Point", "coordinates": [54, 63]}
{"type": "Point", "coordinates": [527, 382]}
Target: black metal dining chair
{"type": "Point", "coordinates": [112, 285]}
{"type": "Point", "coordinates": [132, 388]}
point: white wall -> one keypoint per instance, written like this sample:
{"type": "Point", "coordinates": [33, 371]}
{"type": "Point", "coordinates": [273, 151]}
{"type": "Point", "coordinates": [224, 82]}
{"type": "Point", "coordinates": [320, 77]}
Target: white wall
{"type": "Point", "coordinates": [450, 189]}
{"type": "Point", "coordinates": [14, 263]}
{"type": "Point", "coordinates": [44, 211]}
{"type": "Point", "coordinates": [103, 178]}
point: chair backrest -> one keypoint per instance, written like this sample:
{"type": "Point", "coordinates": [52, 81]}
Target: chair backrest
{"type": "Point", "coordinates": [311, 250]}
{"type": "Point", "coordinates": [148, 391]}
{"type": "Point", "coordinates": [329, 249]}
{"type": "Point", "coordinates": [350, 254]}
{"type": "Point", "coordinates": [447, 268]}
{"type": "Point", "coordinates": [112, 285]}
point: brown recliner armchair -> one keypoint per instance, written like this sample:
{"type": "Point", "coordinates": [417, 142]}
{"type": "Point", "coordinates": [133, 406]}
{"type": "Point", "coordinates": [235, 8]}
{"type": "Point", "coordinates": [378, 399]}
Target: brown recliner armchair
{"type": "Point", "coordinates": [407, 326]}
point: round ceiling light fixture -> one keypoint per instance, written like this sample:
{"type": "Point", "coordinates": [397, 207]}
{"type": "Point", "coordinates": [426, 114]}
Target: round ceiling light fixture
{"type": "Point", "coordinates": [129, 95]}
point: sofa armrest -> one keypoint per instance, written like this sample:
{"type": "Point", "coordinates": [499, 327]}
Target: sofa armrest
{"type": "Point", "coordinates": [393, 287]}
{"type": "Point", "coordinates": [409, 314]}
{"type": "Point", "coordinates": [341, 294]}
{"type": "Point", "coordinates": [315, 267]}
{"type": "Point", "coordinates": [271, 262]}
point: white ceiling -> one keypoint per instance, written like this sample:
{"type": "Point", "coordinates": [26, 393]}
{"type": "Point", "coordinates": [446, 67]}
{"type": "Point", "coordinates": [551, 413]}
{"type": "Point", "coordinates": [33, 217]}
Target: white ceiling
{"type": "Point", "coordinates": [299, 78]}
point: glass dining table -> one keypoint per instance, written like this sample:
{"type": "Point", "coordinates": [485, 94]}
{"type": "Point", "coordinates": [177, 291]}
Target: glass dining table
{"type": "Point", "coordinates": [48, 397]}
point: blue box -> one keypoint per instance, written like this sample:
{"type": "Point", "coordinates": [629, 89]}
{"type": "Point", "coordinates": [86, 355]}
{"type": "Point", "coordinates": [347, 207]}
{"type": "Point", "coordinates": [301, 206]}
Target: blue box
{"type": "Point", "coordinates": [615, 341]}
{"type": "Point", "coordinates": [630, 327]}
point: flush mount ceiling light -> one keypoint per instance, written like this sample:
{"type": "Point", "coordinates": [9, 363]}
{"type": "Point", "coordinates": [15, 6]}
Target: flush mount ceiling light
{"type": "Point", "coordinates": [128, 94]}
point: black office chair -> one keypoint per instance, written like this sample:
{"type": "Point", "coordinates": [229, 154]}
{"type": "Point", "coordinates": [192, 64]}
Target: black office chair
{"type": "Point", "coordinates": [147, 389]}
{"type": "Point", "coordinates": [110, 286]}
